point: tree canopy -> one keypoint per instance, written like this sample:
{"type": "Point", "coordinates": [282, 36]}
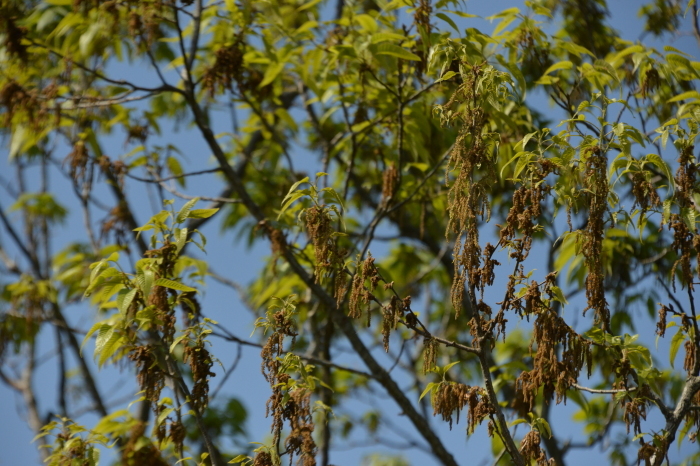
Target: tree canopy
{"type": "Point", "coordinates": [429, 220]}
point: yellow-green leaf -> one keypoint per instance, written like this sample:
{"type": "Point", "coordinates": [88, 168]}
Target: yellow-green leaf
{"type": "Point", "coordinates": [173, 285]}
{"type": "Point", "coordinates": [396, 51]}
{"type": "Point", "coordinates": [202, 213]}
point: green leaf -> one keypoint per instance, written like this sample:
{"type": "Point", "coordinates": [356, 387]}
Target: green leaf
{"type": "Point", "coordinates": [92, 330]}
{"type": "Point", "coordinates": [627, 51]}
{"type": "Point", "coordinates": [335, 196]}
{"type": "Point", "coordinates": [596, 335]}
{"type": "Point", "coordinates": [238, 459]}
{"type": "Point", "coordinates": [181, 240]}
{"type": "Point", "coordinates": [504, 23]}
{"type": "Point", "coordinates": [661, 164]}
{"type": "Point", "coordinates": [176, 169]}
{"type": "Point", "coordinates": [509, 12]}
{"type": "Point", "coordinates": [543, 427]}
{"type": "Point", "coordinates": [173, 285]}
{"type": "Point", "coordinates": [668, 48]}
{"type": "Point", "coordinates": [96, 269]}
{"type": "Point", "coordinates": [367, 22]}
{"type": "Point", "coordinates": [684, 96]}
{"type": "Point", "coordinates": [562, 65]}
{"type": "Point", "coordinates": [446, 76]}
{"type": "Point", "coordinates": [526, 139]}
{"type": "Point", "coordinates": [448, 20]}
{"type": "Point", "coordinates": [380, 37]}
{"type": "Point", "coordinates": [558, 295]}
{"type": "Point", "coordinates": [427, 390]}
{"type": "Point", "coordinates": [163, 415]}
{"type": "Point", "coordinates": [177, 341]}
{"type": "Point", "coordinates": [449, 366]}
{"type": "Point", "coordinates": [294, 187]}
{"type": "Point", "coordinates": [308, 5]}
{"type": "Point", "coordinates": [684, 430]}
{"type": "Point", "coordinates": [271, 73]}
{"type": "Point", "coordinates": [575, 49]}
{"type": "Point", "coordinates": [110, 347]}
{"type": "Point", "coordinates": [688, 215]}
{"type": "Point", "coordinates": [667, 210]}
{"type": "Point", "coordinates": [105, 278]}
{"type": "Point", "coordinates": [605, 67]}
{"type": "Point", "coordinates": [202, 213]}
{"type": "Point", "coordinates": [676, 341]}
{"type": "Point", "coordinates": [394, 4]}
{"type": "Point", "coordinates": [94, 456]}
{"type": "Point", "coordinates": [547, 80]}
{"type": "Point", "coordinates": [396, 51]}
{"type": "Point", "coordinates": [289, 202]}
{"type": "Point", "coordinates": [461, 14]}
{"type": "Point", "coordinates": [680, 61]}
{"type": "Point", "coordinates": [185, 210]}
{"type": "Point", "coordinates": [639, 356]}
{"type": "Point", "coordinates": [125, 299]}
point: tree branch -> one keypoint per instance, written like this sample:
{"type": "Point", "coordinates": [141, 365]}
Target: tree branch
{"type": "Point", "coordinates": [342, 320]}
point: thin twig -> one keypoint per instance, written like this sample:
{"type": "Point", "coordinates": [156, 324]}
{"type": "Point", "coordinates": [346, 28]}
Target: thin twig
{"type": "Point", "coordinates": [18, 241]}
{"type": "Point", "coordinates": [101, 76]}
{"type": "Point", "coordinates": [219, 200]}
{"type": "Point", "coordinates": [227, 374]}
{"type": "Point", "coordinates": [603, 391]}
{"type": "Point", "coordinates": [197, 21]}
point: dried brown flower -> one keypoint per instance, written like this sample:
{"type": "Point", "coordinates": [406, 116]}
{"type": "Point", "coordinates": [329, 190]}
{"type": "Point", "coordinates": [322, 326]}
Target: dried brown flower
{"type": "Point", "coordinates": [453, 397]}
{"type": "Point", "coordinates": [531, 451]}
{"type": "Point", "coordinates": [227, 68]}
{"type": "Point", "coordinates": [390, 180]}
{"type": "Point", "coordinates": [200, 362]}
{"type": "Point", "coordinates": [360, 293]}
{"type": "Point", "coordinates": [13, 33]}
{"type": "Point", "coordinates": [596, 184]}
{"type": "Point", "coordinates": [467, 197]}
{"type": "Point", "coordinates": [421, 15]}
{"type": "Point", "coordinates": [661, 323]}
{"type": "Point", "coordinates": [644, 193]}
{"type": "Point", "coordinates": [634, 411]}
{"type": "Point", "coordinates": [651, 81]}
{"type": "Point", "coordinates": [430, 347]}
{"type": "Point", "coordinates": [78, 160]}
{"type": "Point", "coordinates": [553, 372]}
{"type": "Point", "coordinates": [690, 355]}
{"type": "Point", "coordinates": [150, 377]}
{"type": "Point", "coordinates": [683, 245]}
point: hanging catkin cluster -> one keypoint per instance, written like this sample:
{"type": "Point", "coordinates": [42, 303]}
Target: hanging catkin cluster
{"type": "Point", "coordinates": [452, 397]}
{"type": "Point", "coordinates": [560, 352]}
{"type": "Point", "coordinates": [330, 258]}
{"type": "Point", "coordinates": [288, 402]}
{"type": "Point", "coordinates": [597, 188]}
{"type": "Point", "coordinates": [472, 163]}
{"type": "Point", "coordinates": [363, 285]}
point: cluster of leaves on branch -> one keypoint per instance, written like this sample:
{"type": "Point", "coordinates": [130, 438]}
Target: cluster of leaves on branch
{"type": "Point", "coordinates": [455, 223]}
